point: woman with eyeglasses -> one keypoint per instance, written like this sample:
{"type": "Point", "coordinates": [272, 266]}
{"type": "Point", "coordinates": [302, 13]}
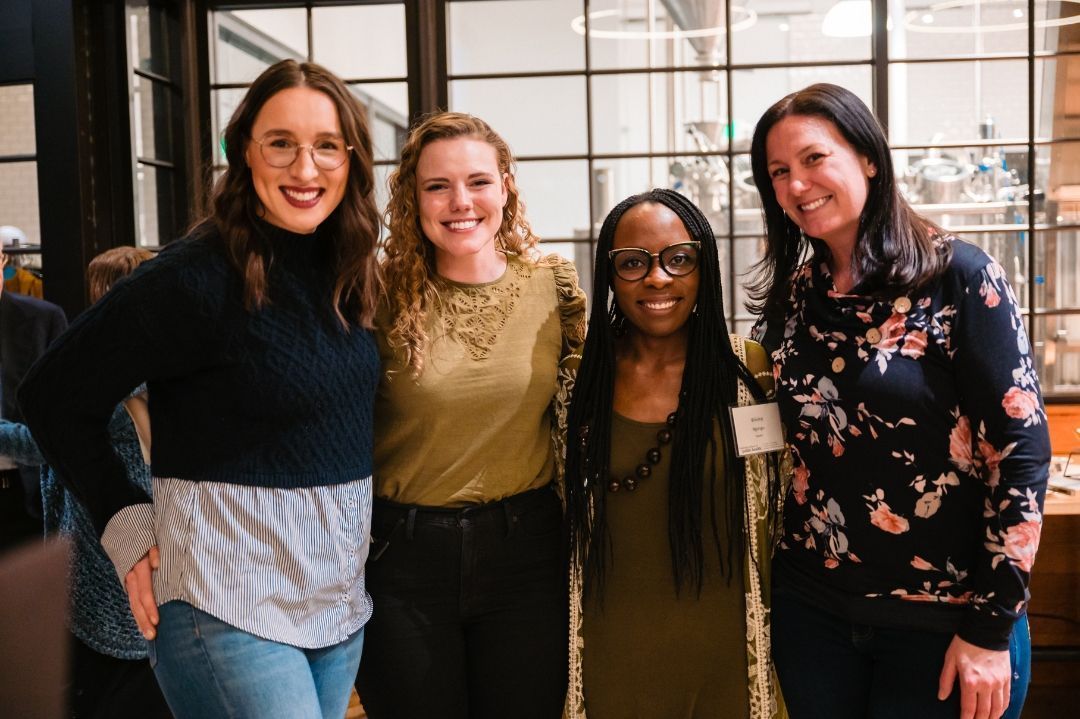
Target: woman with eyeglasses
{"type": "Point", "coordinates": [479, 337]}
{"type": "Point", "coordinates": [246, 571]}
{"type": "Point", "coordinates": [669, 528]}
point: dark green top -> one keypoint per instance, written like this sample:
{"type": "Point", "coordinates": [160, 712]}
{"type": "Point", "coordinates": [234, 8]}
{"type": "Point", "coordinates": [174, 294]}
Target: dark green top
{"type": "Point", "coordinates": [650, 654]}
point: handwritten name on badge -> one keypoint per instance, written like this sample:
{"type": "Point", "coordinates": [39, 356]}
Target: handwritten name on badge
{"type": "Point", "coordinates": [757, 429]}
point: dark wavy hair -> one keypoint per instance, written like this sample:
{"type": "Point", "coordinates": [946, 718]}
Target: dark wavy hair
{"type": "Point", "coordinates": [896, 250]}
{"type": "Point", "coordinates": [354, 223]}
{"type": "Point", "coordinates": [709, 386]}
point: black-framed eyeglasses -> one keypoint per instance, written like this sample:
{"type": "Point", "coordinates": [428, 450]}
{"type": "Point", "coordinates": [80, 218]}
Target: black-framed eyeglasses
{"type": "Point", "coordinates": [634, 263]}
{"type": "Point", "coordinates": [280, 151]}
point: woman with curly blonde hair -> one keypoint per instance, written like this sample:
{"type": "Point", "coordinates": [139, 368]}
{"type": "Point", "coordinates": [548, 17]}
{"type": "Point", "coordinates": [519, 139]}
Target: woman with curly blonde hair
{"type": "Point", "coordinates": [478, 334]}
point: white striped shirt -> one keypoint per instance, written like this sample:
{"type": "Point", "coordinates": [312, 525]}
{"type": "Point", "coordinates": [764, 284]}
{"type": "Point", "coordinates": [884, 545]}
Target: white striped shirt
{"type": "Point", "coordinates": [283, 564]}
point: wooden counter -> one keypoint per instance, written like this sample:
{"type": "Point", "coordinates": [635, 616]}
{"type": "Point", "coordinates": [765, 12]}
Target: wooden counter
{"type": "Point", "coordinates": [1054, 611]}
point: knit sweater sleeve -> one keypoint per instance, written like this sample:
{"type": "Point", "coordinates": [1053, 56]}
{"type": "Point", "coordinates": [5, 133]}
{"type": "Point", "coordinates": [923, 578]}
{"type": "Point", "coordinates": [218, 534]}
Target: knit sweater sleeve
{"type": "Point", "coordinates": [17, 443]}
{"type": "Point", "coordinates": [1001, 437]}
{"type": "Point", "coordinates": [152, 325]}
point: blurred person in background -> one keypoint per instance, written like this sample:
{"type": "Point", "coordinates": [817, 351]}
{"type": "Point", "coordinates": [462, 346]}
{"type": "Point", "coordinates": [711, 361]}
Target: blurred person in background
{"type": "Point", "coordinates": [110, 677]}
{"type": "Point", "coordinates": [27, 327]}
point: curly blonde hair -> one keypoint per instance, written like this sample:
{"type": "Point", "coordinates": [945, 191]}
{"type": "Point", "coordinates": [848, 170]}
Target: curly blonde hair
{"type": "Point", "coordinates": [411, 283]}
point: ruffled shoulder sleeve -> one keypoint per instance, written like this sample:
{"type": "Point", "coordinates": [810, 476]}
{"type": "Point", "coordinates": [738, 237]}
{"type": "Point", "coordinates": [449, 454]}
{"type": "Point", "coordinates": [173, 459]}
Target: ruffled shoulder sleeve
{"type": "Point", "coordinates": [572, 303]}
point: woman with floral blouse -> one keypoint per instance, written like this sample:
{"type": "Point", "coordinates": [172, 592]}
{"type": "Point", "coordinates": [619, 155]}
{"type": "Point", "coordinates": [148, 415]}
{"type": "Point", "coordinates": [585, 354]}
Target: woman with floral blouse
{"type": "Point", "coordinates": [909, 395]}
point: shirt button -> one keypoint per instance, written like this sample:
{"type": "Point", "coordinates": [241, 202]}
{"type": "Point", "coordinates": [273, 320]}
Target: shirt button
{"type": "Point", "coordinates": [873, 336]}
{"type": "Point", "coordinates": [901, 305]}
{"type": "Point", "coordinates": [838, 365]}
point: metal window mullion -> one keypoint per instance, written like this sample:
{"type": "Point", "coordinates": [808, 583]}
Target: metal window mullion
{"type": "Point", "coordinates": [1031, 170]}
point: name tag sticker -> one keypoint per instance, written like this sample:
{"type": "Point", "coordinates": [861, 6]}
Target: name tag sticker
{"type": "Point", "coordinates": [757, 429]}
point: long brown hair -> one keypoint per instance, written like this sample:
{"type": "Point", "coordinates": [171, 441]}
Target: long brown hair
{"type": "Point", "coordinates": [412, 284]}
{"type": "Point", "coordinates": [354, 223]}
{"type": "Point", "coordinates": [896, 251]}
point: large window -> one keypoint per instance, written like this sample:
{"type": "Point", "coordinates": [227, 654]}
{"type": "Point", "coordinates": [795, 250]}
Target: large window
{"type": "Point", "coordinates": [600, 99]}
{"type": "Point", "coordinates": [604, 98]}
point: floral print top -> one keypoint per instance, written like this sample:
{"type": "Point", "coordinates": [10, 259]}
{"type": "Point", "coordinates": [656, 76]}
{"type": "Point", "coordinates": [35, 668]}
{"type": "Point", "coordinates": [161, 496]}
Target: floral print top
{"type": "Point", "coordinates": [920, 451]}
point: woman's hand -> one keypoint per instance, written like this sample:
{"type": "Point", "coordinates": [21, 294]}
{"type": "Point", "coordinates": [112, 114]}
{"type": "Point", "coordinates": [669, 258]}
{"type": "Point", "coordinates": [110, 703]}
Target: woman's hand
{"type": "Point", "coordinates": [984, 675]}
{"type": "Point", "coordinates": [140, 588]}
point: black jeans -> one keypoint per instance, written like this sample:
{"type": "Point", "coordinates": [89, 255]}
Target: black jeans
{"type": "Point", "coordinates": [103, 687]}
{"type": "Point", "coordinates": [470, 614]}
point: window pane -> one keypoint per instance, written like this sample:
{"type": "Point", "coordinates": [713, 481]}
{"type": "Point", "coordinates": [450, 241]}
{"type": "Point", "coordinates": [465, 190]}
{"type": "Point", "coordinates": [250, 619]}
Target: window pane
{"type": "Point", "coordinates": [388, 115]}
{"type": "Point", "coordinates": [556, 196]}
{"type": "Point", "coordinates": [807, 32]}
{"type": "Point", "coordinates": [153, 34]}
{"type": "Point", "coordinates": [748, 251]}
{"type": "Point", "coordinates": [246, 42]}
{"type": "Point", "coordinates": [360, 41]}
{"type": "Point", "coordinates": [580, 253]}
{"type": "Point", "coordinates": [1057, 96]}
{"type": "Point", "coordinates": [703, 179]}
{"type": "Point", "coordinates": [963, 28]}
{"type": "Point", "coordinates": [966, 186]}
{"type": "Point", "coordinates": [1057, 353]}
{"type": "Point", "coordinates": [660, 33]}
{"type": "Point", "coordinates": [225, 104]}
{"type": "Point", "coordinates": [1057, 179]}
{"type": "Point", "coordinates": [537, 116]}
{"type": "Point", "coordinates": [956, 101]}
{"type": "Point", "coordinates": [756, 90]}
{"type": "Point", "coordinates": [659, 112]}
{"type": "Point", "coordinates": [19, 198]}
{"type": "Point", "coordinates": [17, 119]}
{"type": "Point", "coordinates": [1057, 270]}
{"type": "Point", "coordinates": [152, 118]}
{"type": "Point", "coordinates": [513, 36]}
{"type": "Point", "coordinates": [154, 221]}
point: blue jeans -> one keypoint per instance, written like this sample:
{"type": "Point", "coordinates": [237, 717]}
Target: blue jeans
{"type": "Point", "coordinates": [207, 668]}
{"type": "Point", "coordinates": [833, 669]}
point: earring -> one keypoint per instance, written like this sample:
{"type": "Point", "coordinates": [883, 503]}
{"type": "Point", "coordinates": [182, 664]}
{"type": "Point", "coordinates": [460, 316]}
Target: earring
{"type": "Point", "coordinates": [871, 171]}
{"type": "Point", "coordinates": [618, 327]}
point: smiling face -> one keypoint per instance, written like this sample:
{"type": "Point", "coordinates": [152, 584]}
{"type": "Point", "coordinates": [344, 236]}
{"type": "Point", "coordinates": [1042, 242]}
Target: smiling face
{"type": "Point", "coordinates": [298, 197]}
{"type": "Point", "coordinates": [820, 180]}
{"type": "Point", "coordinates": [658, 305]}
{"type": "Point", "coordinates": [460, 193]}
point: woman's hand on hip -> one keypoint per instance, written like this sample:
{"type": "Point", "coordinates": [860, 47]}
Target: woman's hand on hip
{"type": "Point", "coordinates": [140, 589]}
{"type": "Point", "coordinates": [984, 675]}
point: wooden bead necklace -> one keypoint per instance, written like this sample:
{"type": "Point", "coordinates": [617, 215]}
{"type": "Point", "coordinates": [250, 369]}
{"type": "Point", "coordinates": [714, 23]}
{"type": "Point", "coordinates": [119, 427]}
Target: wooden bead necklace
{"type": "Point", "coordinates": [652, 458]}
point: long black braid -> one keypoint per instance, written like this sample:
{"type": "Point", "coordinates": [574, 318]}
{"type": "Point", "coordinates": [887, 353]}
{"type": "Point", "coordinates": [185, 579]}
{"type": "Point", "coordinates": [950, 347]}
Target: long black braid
{"type": "Point", "coordinates": [709, 387]}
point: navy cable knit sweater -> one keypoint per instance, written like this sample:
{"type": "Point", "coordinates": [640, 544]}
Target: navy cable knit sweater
{"type": "Point", "coordinates": [279, 397]}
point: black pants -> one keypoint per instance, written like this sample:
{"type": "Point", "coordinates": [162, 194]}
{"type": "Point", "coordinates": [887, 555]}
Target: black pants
{"type": "Point", "coordinates": [104, 687]}
{"type": "Point", "coordinates": [470, 614]}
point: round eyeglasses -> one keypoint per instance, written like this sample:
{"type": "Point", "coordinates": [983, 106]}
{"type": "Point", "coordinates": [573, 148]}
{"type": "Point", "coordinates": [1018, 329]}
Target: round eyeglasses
{"type": "Point", "coordinates": [280, 151]}
{"type": "Point", "coordinates": [634, 263]}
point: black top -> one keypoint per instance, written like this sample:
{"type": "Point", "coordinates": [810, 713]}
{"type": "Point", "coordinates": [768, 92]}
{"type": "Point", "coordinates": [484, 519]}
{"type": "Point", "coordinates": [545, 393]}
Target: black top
{"type": "Point", "coordinates": [921, 451]}
{"type": "Point", "coordinates": [279, 397]}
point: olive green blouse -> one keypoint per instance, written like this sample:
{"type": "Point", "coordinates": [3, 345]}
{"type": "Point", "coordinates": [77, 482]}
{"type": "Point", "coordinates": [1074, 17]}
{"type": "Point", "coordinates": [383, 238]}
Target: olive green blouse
{"type": "Point", "coordinates": [475, 426]}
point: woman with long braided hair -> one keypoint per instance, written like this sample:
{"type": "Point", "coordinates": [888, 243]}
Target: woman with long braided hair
{"type": "Point", "coordinates": [665, 519]}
